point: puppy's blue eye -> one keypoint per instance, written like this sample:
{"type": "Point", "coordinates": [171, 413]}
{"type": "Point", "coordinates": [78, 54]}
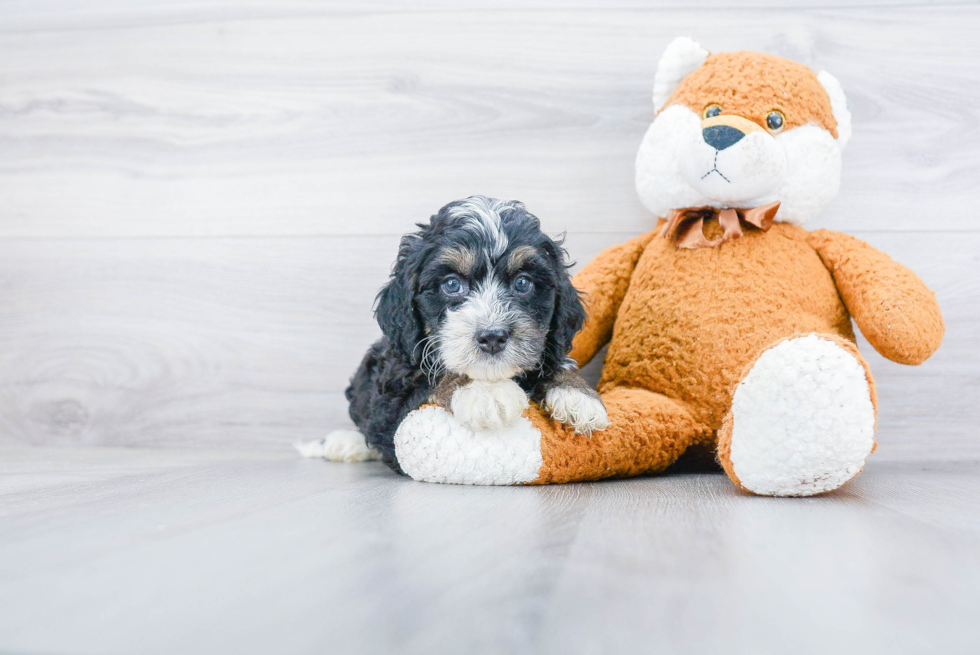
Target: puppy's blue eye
{"type": "Point", "coordinates": [452, 286]}
{"type": "Point", "coordinates": [523, 284]}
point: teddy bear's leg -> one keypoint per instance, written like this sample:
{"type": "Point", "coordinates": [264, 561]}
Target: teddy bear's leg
{"type": "Point", "coordinates": [648, 432]}
{"type": "Point", "coordinates": [802, 419]}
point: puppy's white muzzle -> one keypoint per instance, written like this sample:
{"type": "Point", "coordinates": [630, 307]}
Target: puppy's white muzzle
{"type": "Point", "coordinates": [486, 310]}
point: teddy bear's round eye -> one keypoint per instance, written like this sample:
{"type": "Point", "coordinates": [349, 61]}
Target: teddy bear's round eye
{"type": "Point", "coordinates": [775, 121]}
{"type": "Point", "coordinates": [711, 110]}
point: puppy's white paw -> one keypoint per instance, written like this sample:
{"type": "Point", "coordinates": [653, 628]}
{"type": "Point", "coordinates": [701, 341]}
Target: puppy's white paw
{"type": "Point", "coordinates": [583, 411]}
{"type": "Point", "coordinates": [340, 446]}
{"type": "Point", "coordinates": [483, 405]}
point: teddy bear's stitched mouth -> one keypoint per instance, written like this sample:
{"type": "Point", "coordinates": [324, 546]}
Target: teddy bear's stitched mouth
{"type": "Point", "coordinates": [714, 169]}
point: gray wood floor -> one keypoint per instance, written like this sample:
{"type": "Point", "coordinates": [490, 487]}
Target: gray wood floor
{"type": "Point", "coordinates": [174, 551]}
{"type": "Point", "coordinates": [198, 201]}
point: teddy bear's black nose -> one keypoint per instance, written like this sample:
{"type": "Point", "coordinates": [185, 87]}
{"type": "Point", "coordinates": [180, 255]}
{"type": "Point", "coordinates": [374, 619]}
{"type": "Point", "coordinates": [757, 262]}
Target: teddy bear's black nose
{"type": "Point", "coordinates": [720, 137]}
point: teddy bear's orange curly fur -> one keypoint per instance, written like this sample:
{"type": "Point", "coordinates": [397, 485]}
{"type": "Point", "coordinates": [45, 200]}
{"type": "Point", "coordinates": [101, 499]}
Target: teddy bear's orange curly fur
{"type": "Point", "coordinates": [685, 326]}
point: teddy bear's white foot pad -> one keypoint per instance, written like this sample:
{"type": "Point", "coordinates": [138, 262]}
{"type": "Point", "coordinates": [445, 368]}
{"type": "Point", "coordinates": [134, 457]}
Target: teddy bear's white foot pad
{"type": "Point", "coordinates": [802, 419]}
{"type": "Point", "coordinates": [340, 446]}
{"type": "Point", "coordinates": [431, 445]}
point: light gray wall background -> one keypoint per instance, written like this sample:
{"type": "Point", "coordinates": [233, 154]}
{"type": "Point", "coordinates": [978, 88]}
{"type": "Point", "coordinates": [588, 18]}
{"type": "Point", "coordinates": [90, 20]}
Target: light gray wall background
{"type": "Point", "coordinates": [199, 200]}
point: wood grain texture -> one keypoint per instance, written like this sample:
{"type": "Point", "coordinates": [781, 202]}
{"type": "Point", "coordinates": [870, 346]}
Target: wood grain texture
{"type": "Point", "coordinates": [21, 15]}
{"type": "Point", "coordinates": [244, 119]}
{"type": "Point", "coordinates": [166, 551]}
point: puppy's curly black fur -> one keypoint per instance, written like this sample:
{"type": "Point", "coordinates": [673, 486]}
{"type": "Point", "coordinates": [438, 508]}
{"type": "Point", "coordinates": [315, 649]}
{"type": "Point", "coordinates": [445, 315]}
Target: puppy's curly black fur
{"type": "Point", "coordinates": [478, 292]}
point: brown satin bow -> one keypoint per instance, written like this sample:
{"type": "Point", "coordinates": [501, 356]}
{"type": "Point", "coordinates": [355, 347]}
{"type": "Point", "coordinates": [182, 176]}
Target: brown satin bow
{"type": "Point", "coordinates": [685, 226]}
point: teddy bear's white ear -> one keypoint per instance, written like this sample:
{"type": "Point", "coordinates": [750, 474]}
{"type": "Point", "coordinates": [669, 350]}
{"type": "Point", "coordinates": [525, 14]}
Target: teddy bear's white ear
{"type": "Point", "coordinates": [681, 58]}
{"type": "Point", "coordinates": [838, 104]}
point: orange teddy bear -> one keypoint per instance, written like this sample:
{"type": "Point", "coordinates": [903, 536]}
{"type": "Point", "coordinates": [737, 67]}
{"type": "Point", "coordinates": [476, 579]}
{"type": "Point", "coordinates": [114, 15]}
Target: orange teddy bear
{"type": "Point", "coordinates": [728, 325]}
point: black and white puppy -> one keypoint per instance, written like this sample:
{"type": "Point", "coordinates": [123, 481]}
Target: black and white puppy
{"type": "Point", "coordinates": [478, 316]}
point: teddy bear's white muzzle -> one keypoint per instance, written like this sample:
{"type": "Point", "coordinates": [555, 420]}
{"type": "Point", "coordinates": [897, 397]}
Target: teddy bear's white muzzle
{"type": "Point", "coordinates": [738, 171]}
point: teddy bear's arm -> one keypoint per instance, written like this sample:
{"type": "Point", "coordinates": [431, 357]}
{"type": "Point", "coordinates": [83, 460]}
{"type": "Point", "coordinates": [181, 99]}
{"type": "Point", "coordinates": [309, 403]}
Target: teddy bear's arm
{"type": "Point", "coordinates": [603, 283]}
{"type": "Point", "coordinates": [895, 310]}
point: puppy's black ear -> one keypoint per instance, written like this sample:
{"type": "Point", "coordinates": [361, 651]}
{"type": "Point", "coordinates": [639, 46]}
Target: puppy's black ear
{"type": "Point", "coordinates": [395, 308]}
{"type": "Point", "coordinates": [567, 318]}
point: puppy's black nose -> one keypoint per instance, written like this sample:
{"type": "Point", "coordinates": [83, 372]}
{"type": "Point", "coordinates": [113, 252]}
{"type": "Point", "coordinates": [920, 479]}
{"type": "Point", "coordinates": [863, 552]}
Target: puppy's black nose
{"type": "Point", "coordinates": [720, 137]}
{"type": "Point", "coordinates": [492, 341]}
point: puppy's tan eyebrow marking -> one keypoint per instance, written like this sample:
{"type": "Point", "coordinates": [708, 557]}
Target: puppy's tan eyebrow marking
{"type": "Point", "coordinates": [462, 259]}
{"type": "Point", "coordinates": [519, 257]}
